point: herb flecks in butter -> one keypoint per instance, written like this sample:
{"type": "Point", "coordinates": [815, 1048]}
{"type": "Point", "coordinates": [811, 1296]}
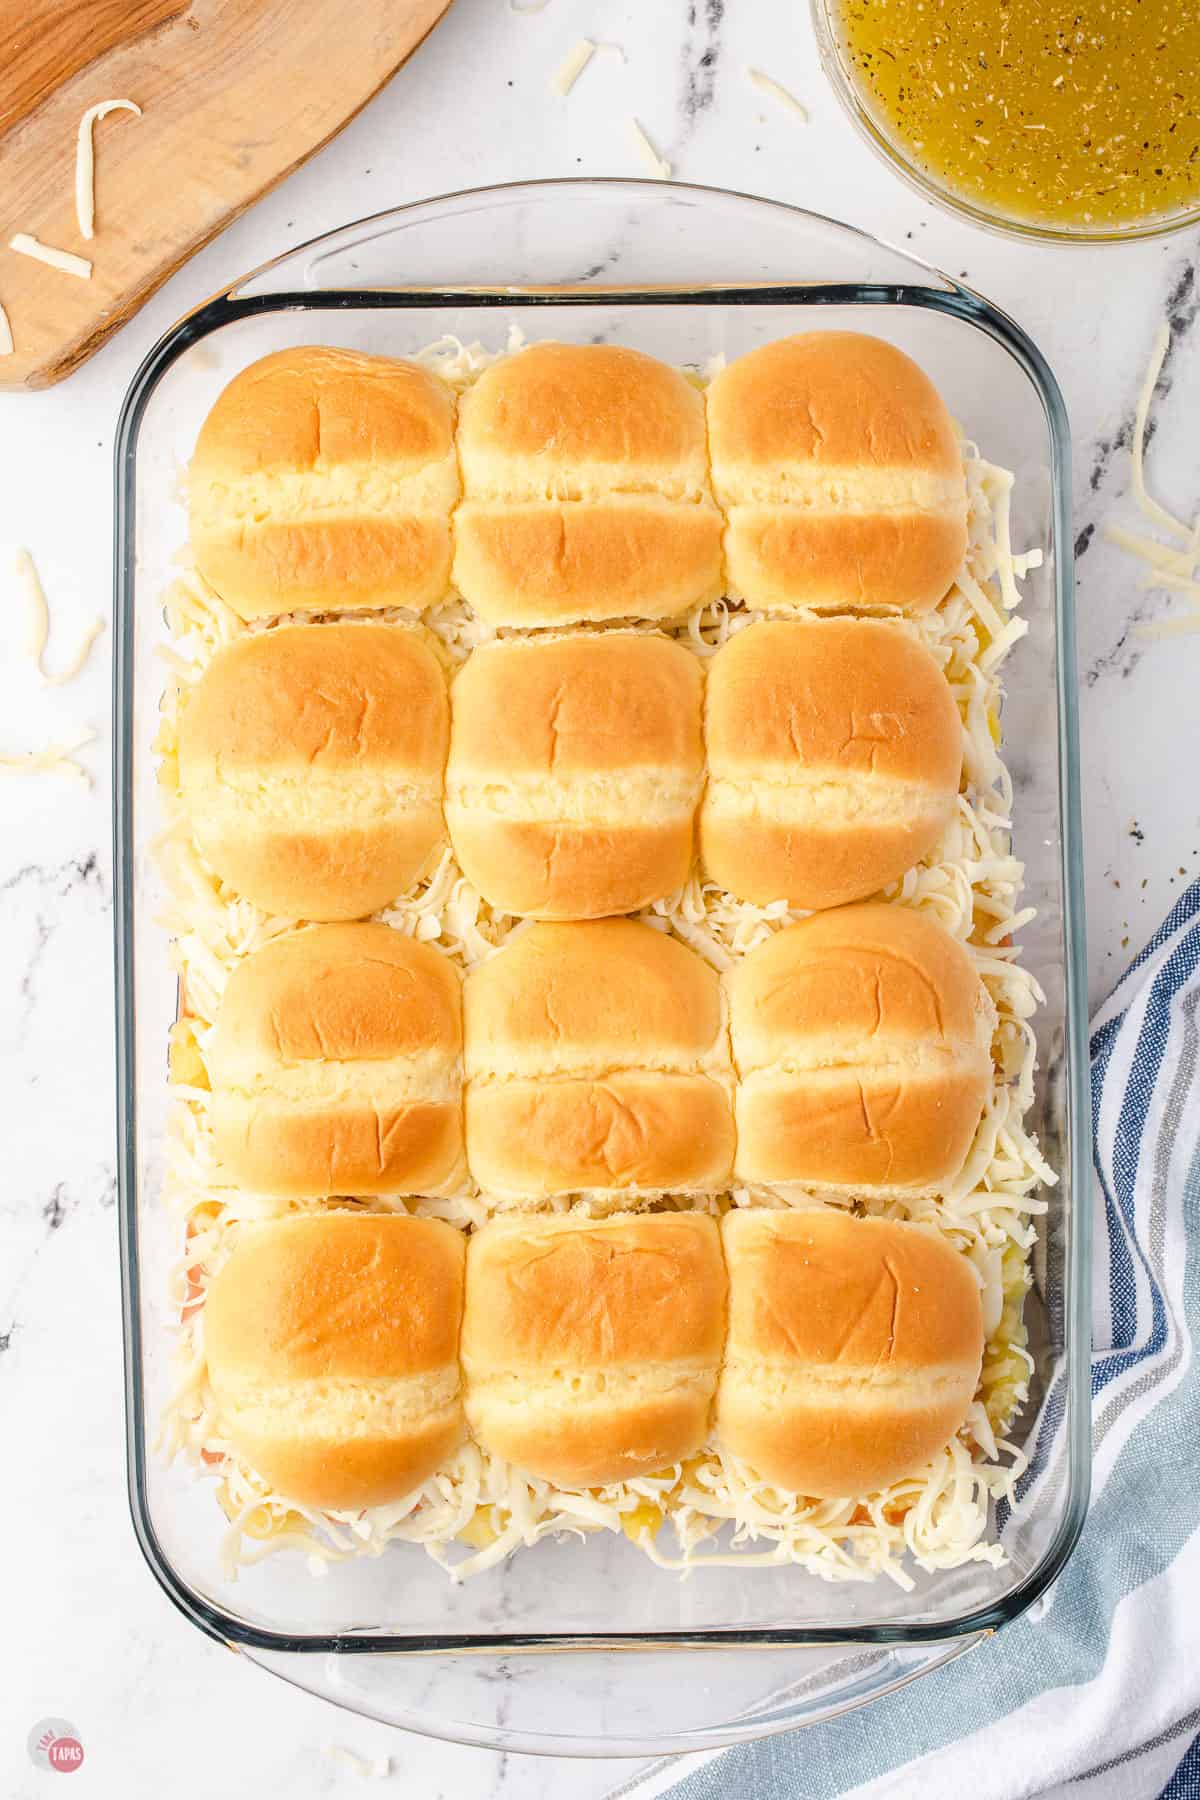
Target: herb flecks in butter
{"type": "Point", "coordinates": [1085, 115]}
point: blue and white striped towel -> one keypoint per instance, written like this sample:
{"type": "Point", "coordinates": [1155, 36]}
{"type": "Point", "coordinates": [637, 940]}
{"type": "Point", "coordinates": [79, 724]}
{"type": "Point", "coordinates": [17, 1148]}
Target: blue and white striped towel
{"type": "Point", "coordinates": [1098, 1697]}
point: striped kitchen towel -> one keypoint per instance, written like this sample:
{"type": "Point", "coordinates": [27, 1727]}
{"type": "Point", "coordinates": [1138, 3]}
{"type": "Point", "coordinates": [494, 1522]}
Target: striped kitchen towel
{"type": "Point", "coordinates": [1097, 1697]}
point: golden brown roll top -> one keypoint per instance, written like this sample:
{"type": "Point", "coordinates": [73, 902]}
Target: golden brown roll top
{"type": "Point", "coordinates": [590, 1348]}
{"type": "Point", "coordinates": [575, 768]}
{"type": "Point", "coordinates": [853, 1353]}
{"type": "Point", "coordinates": [311, 760]}
{"type": "Point", "coordinates": [585, 489]}
{"type": "Point", "coordinates": [332, 1347]}
{"type": "Point", "coordinates": [336, 1066]}
{"type": "Point", "coordinates": [834, 757]}
{"type": "Point", "coordinates": [840, 474]}
{"type": "Point", "coordinates": [862, 1044]}
{"type": "Point", "coordinates": [596, 1060]}
{"type": "Point", "coordinates": [325, 479]}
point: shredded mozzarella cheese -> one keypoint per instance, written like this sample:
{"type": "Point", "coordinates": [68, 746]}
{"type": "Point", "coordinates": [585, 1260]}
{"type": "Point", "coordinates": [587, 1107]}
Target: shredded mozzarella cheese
{"type": "Point", "coordinates": [26, 245]}
{"type": "Point", "coordinates": [37, 613]}
{"type": "Point", "coordinates": [77, 662]}
{"type": "Point", "coordinates": [85, 161]}
{"type": "Point", "coordinates": [6, 337]}
{"type": "Point", "coordinates": [767, 85]}
{"type": "Point", "coordinates": [1147, 503]}
{"type": "Point", "coordinates": [576, 61]}
{"type": "Point", "coordinates": [572, 66]}
{"type": "Point", "coordinates": [645, 149]}
{"type": "Point", "coordinates": [1162, 628]}
{"type": "Point", "coordinates": [1171, 566]}
{"type": "Point", "coordinates": [372, 1768]}
{"type": "Point", "coordinates": [56, 759]}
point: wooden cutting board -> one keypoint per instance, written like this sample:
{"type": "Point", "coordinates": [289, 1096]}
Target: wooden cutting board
{"type": "Point", "coordinates": [234, 94]}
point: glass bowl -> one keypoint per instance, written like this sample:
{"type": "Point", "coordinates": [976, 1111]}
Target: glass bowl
{"type": "Point", "coordinates": [845, 86]}
{"type": "Point", "coordinates": [586, 1648]}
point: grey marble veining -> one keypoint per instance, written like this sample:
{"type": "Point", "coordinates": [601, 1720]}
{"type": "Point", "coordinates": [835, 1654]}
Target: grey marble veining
{"type": "Point", "coordinates": [156, 1704]}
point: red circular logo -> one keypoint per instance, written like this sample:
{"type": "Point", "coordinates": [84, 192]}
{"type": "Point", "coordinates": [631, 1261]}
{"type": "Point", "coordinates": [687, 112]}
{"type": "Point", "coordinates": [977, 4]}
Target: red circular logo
{"type": "Point", "coordinates": [56, 1744]}
{"type": "Point", "coordinates": [65, 1753]}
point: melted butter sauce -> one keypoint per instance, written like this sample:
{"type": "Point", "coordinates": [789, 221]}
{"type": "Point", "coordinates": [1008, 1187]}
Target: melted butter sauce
{"type": "Point", "coordinates": [1086, 114]}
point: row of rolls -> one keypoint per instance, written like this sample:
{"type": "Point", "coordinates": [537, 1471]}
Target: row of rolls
{"type": "Point", "coordinates": [577, 775]}
{"type": "Point", "coordinates": [581, 482]}
{"type": "Point", "coordinates": [849, 1054]}
{"type": "Point", "coordinates": [352, 1354]}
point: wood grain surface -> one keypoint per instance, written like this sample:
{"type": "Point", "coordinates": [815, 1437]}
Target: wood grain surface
{"type": "Point", "coordinates": [235, 94]}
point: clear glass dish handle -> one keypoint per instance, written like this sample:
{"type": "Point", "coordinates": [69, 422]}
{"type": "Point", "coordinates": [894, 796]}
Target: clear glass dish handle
{"type": "Point", "coordinates": [695, 238]}
{"type": "Point", "coordinates": [621, 1702]}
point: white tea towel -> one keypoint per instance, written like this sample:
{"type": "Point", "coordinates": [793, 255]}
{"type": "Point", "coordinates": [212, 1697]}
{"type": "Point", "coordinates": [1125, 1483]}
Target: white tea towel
{"type": "Point", "coordinates": [1098, 1696]}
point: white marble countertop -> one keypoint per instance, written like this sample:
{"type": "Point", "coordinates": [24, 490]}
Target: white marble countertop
{"type": "Point", "coordinates": [89, 1636]}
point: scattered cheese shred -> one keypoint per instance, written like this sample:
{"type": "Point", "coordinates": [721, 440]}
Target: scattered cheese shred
{"type": "Point", "coordinates": [1160, 559]}
{"type": "Point", "coordinates": [572, 66]}
{"type": "Point", "coordinates": [372, 1768]}
{"type": "Point", "coordinates": [576, 61]}
{"type": "Point", "coordinates": [6, 336]}
{"type": "Point", "coordinates": [74, 667]}
{"type": "Point", "coordinates": [85, 161]}
{"type": "Point", "coordinates": [37, 613]}
{"type": "Point", "coordinates": [767, 85]}
{"type": "Point", "coordinates": [1178, 584]}
{"type": "Point", "coordinates": [1161, 628]}
{"type": "Point", "coordinates": [527, 11]}
{"type": "Point", "coordinates": [58, 759]}
{"type": "Point", "coordinates": [1149, 506]}
{"type": "Point", "coordinates": [647, 152]}
{"type": "Point", "coordinates": [57, 259]}
{"type": "Point", "coordinates": [1170, 566]}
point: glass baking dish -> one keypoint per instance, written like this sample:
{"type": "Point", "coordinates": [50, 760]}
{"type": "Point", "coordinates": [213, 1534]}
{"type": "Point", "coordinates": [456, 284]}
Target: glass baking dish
{"type": "Point", "coordinates": [587, 1648]}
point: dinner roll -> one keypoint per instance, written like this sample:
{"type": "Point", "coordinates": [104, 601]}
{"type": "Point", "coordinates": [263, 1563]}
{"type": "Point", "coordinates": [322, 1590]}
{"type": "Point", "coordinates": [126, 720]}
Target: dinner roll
{"type": "Point", "coordinates": [862, 1042]}
{"type": "Point", "coordinates": [841, 476]}
{"type": "Point", "coordinates": [332, 1348]}
{"type": "Point", "coordinates": [590, 1346]}
{"type": "Point", "coordinates": [324, 478]}
{"type": "Point", "coordinates": [585, 489]}
{"type": "Point", "coordinates": [596, 1060]}
{"type": "Point", "coordinates": [311, 761]}
{"type": "Point", "coordinates": [575, 767]}
{"type": "Point", "coordinates": [336, 1066]}
{"type": "Point", "coordinates": [834, 756]}
{"type": "Point", "coordinates": [854, 1349]}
